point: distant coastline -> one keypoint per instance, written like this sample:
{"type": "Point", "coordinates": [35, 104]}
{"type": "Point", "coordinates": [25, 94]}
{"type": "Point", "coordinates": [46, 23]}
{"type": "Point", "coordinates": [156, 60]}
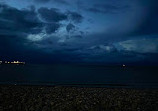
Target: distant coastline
{"type": "Point", "coordinates": [10, 63]}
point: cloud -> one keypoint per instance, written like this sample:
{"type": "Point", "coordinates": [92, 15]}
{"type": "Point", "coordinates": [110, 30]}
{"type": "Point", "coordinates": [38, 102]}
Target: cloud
{"type": "Point", "coordinates": [42, 33]}
{"type": "Point", "coordinates": [52, 28]}
{"type": "Point", "coordinates": [51, 15]}
{"type": "Point", "coordinates": [56, 1]}
{"type": "Point", "coordinates": [150, 21]}
{"type": "Point", "coordinates": [41, 1]}
{"type": "Point", "coordinates": [26, 21]}
{"type": "Point", "coordinates": [139, 45]}
{"type": "Point", "coordinates": [13, 47]}
{"type": "Point", "coordinates": [61, 2]}
{"type": "Point", "coordinates": [77, 36]}
{"type": "Point", "coordinates": [36, 37]}
{"type": "Point", "coordinates": [105, 8]}
{"type": "Point", "coordinates": [53, 18]}
{"type": "Point", "coordinates": [70, 27]}
{"type": "Point", "coordinates": [99, 50]}
{"type": "Point", "coordinates": [103, 47]}
{"type": "Point", "coordinates": [24, 24]}
{"type": "Point", "coordinates": [74, 16]}
{"type": "Point", "coordinates": [15, 26]}
{"type": "Point", "coordinates": [13, 20]}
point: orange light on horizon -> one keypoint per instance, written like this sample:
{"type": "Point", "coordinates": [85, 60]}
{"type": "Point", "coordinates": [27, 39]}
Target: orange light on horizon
{"type": "Point", "coordinates": [14, 62]}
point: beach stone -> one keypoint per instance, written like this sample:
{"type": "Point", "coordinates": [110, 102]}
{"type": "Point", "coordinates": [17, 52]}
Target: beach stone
{"type": "Point", "coordinates": [10, 106]}
{"type": "Point", "coordinates": [32, 98]}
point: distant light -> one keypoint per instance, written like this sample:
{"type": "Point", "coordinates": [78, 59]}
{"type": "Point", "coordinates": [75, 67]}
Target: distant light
{"type": "Point", "coordinates": [124, 65]}
{"type": "Point", "coordinates": [14, 62]}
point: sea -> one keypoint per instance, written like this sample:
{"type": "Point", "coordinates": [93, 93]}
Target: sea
{"type": "Point", "coordinates": [80, 75]}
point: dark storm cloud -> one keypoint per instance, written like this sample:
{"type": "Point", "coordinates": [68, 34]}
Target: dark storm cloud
{"type": "Point", "coordinates": [15, 25]}
{"type": "Point", "coordinates": [25, 21]}
{"type": "Point", "coordinates": [28, 33]}
{"type": "Point", "coordinates": [51, 15]}
{"type": "Point", "coordinates": [13, 20]}
{"type": "Point", "coordinates": [70, 27]}
{"type": "Point", "coordinates": [74, 16]}
{"type": "Point", "coordinates": [16, 22]}
{"type": "Point", "coordinates": [54, 15]}
{"type": "Point", "coordinates": [52, 28]}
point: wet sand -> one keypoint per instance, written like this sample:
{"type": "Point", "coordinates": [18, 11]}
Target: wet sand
{"type": "Point", "coordinates": [66, 98]}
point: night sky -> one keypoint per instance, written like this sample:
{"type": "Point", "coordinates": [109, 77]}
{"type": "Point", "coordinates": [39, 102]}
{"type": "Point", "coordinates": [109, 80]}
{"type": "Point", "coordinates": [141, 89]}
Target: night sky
{"type": "Point", "coordinates": [79, 31]}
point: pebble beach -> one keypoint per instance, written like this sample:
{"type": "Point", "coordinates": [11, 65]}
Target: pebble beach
{"type": "Point", "coordinates": [67, 98]}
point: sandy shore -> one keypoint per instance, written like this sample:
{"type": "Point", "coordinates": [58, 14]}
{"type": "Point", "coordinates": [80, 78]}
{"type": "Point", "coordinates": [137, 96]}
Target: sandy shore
{"type": "Point", "coordinates": [40, 98]}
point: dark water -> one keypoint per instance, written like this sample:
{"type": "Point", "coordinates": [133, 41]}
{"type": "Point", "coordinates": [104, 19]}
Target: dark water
{"type": "Point", "coordinates": [135, 76]}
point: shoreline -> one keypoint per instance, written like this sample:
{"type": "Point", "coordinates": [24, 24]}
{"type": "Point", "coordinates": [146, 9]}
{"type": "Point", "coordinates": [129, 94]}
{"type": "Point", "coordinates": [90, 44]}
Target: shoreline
{"type": "Point", "coordinates": [108, 86]}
